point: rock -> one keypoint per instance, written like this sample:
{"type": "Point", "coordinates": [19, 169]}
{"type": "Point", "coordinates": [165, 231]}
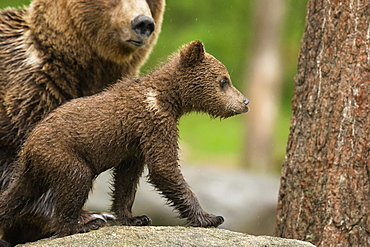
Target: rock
{"type": "Point", "coordinates": [164, 236]}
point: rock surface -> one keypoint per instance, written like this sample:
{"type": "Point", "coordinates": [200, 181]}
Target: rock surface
{"type": "Point", "coordinates": [164, 236]}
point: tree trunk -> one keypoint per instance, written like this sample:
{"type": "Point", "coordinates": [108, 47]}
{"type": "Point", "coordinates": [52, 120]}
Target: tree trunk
{"type": "Point", "coordinates": [325, 189]}
{"type": "Point", "coordinates": [264, 80]}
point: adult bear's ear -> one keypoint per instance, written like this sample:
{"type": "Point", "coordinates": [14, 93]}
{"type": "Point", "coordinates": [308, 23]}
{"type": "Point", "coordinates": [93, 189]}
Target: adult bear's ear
{"type": "Point", "coordinates": [192, 53]}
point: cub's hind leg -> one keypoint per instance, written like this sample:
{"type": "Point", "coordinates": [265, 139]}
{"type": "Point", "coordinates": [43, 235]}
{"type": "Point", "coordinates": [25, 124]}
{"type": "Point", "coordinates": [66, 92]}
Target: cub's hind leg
{"type": "Point", "coordinates": [126, 180]}
{"type": "Point", "coordinates": [71, 190]}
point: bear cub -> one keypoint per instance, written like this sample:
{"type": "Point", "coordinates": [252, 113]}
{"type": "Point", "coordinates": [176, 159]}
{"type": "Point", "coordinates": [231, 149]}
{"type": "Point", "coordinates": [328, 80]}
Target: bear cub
{"type": "Point", "coordinates": [131, 124]}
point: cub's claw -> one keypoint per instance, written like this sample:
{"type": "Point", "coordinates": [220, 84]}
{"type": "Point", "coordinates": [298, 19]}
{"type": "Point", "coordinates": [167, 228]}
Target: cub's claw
{"type": "Point", "coordinates": [220, 219]}
{"type": "Point", "coordinates": [108, 217]}
{"type": "Point", "coordinates": [138, 221]}
{"type": "Point", "coordinates": [93, 221]}
{"type": "Point", "coordinates": [206, 220]}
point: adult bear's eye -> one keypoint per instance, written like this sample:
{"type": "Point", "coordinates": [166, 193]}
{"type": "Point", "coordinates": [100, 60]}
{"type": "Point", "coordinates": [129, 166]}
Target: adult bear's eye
{"type": "Point", "coordinates": [224, 82]}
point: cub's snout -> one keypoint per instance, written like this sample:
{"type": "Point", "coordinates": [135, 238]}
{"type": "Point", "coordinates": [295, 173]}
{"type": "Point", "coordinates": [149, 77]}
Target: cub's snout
{"type": "Point", "coordinates": [241, 106]}
{"type": "Point", "coordinates": [246, 102]}
{"type": "Point", "coordinates": [237, 102]}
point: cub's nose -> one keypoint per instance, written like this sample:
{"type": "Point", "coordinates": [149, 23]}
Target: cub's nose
{"type": "Point", "coordinates": [143, 26]}
{"type": "Point", "coordinates": [246, 101]}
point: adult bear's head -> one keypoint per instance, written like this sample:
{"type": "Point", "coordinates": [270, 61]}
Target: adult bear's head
{"type": "Point", "coordinates": [112, 28]}
{"type": "Point", "coordinates": [118, 27]}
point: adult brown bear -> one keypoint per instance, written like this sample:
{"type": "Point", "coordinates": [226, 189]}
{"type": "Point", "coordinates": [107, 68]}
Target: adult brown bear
{"type": "Point", "coordinates": [57, 50]}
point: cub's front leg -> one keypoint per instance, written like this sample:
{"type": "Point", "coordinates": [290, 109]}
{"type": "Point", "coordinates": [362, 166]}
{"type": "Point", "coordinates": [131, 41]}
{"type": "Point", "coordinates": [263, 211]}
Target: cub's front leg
{"type": "Point", "coordinates": [126, 179]}
{"type": "Point", "coordinates": [165, 175]}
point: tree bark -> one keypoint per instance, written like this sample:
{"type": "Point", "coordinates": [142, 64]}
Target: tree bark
{"type": "Point", "coordinates": [325, 189]}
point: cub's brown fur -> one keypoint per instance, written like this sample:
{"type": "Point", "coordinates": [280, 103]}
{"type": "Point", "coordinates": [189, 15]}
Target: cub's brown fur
{"type": "Point", "coordinates": [132, 124]}
{"type": "Point", "coordinates": [57, 50]}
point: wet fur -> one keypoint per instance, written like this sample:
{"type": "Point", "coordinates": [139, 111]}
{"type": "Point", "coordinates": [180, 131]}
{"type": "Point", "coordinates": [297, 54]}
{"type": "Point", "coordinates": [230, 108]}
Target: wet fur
{"type": "Point", "coordinates": [132, 124]}
{"type": "Point", "coordinates": [50, 54]}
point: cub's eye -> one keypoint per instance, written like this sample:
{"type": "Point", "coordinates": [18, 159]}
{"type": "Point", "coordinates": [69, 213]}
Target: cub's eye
{"type": "Point", "coordinates": [224, 82]}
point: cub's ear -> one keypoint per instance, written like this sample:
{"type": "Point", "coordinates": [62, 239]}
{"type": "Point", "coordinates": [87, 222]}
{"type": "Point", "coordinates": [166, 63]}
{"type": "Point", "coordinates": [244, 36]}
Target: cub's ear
{"type": "Point", "coordinates": [192, 53]}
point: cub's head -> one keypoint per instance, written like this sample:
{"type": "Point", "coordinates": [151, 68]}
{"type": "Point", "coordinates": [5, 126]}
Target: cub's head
{"type": "Point", "coordinates": [206, 85]}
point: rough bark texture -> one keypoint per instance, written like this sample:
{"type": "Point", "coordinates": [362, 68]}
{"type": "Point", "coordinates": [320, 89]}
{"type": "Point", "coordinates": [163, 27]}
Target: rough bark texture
{"type": "Point", "coordinates": [325, 189]}
{"type": "Point", "coordinates": [165, 236]}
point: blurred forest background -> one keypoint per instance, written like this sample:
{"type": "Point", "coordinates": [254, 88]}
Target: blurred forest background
{"type": "Point", "coordinates": [235, 32]}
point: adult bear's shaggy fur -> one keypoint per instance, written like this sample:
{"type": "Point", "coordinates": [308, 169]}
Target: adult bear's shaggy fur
{"type": "Point", "coordinates": [57, 50]}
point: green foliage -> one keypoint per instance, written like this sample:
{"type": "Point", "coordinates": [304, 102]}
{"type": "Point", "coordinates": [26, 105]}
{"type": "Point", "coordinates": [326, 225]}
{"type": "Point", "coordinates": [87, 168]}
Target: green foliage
{"type": "Point", "coordinates": [221, 25]}
{"type": "Point", "coordinates": [13, 3]}
{"type": "Point", "coordinates": [226, 28]}
{"type": "Point", "coordinates": [211, 141]}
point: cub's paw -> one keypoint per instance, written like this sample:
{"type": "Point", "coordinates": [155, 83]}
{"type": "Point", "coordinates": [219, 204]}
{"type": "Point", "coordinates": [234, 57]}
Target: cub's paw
{"type": "Point", "coordinates": [92, 221]}
{"type": "Point", "coordinates": [206, 220]}
{"type": "Point", "coordinates": [138, 221]}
